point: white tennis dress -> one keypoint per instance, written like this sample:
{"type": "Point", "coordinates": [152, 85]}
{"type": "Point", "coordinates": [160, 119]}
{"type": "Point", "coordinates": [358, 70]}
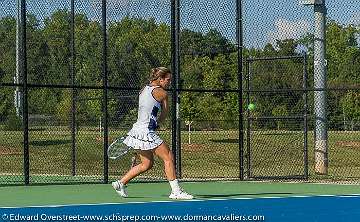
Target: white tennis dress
{"type": "Point", "coordinates": [142, 135]}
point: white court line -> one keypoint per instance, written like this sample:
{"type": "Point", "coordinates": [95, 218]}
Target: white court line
{"type": "Point", "coordinates": [194, 200]}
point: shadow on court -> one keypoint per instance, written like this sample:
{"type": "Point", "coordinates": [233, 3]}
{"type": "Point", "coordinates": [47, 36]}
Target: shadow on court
{"type": "Point", "coordinates": [262, 134]}
{"type": "Point", "coordinates": [240, 195]}
{"type": "Point", "coordinates": [49, 142]}
{"type": "Point", "coordinates": [37, 129]}
{"type": "Point", "coordinates": [225, 141]}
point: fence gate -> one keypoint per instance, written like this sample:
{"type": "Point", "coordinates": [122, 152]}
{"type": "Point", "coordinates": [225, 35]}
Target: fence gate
{"type": "Point", "coordinates": [276, 118]}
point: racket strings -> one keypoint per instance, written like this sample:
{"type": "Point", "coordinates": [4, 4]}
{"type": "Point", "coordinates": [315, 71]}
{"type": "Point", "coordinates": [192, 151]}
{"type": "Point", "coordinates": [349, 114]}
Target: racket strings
{"type": "Point", "coordinates": [117, 149]}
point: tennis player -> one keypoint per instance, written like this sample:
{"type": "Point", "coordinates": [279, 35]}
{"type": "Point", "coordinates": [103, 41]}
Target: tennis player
{"type": "Point", "coordinates": [143, 138]}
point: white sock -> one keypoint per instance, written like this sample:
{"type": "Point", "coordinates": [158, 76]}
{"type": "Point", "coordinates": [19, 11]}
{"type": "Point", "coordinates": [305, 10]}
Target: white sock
{"type": "Point", "coordinates": [174, 184]}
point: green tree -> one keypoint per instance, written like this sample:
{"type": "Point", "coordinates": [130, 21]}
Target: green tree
{"type": "Point", "coordinates": [343, 59]}
{"type": "Point", "coordinates": [88, 46]}
{"type": "Point", "coordinates": [214, 44]}
{"type": "Point", "coordinates": [286, 47]}
{"type": "Point", "coordinates": [7, 49]}
{"type": "Point", "coordinates": [343, 53]}
{"type": "Point", "coordinates": [63, 107]}
{"type": "Point", "coordinates": [350, 105]}
{"type": "Point", "coordinates": [7, 65]}
{"type": "Point", "coordinates": [57, 34]}
{"type": "Point", "coordinates": [280, 111]}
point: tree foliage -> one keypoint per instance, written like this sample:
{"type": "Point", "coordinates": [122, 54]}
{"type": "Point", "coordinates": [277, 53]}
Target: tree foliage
{"type": "Point", "coordinates": [135, 45]}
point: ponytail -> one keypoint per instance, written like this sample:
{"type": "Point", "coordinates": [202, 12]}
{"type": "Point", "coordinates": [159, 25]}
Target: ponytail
{"type": "Point", "coordinates": [159, 72]}
{"type": "Point", "coordinates": [156, 73]}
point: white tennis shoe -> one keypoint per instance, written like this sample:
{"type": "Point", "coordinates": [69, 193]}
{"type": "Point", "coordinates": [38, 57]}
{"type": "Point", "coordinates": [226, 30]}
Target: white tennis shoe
{"type": "Point", "coordinates": [120, 188]}
{"type": "Point", "coordinates": [180, 195]}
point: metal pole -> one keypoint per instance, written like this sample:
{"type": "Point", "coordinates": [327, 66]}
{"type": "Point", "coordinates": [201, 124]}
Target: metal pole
{"type": "Point", "coordinates": [175, 66]}
{"type": "Point", "coordinates": [239, 39]}
{"type": "Point", "coordinates": [321, 140]}
{"type": "Point", "coordinates": [173, 80]}
{"type": "Point", "coordinates": [305, 97]}
{"type": "Point", "coordinates": [73, 93]}
{"type": "Point", "coordinates": [248, 127]}
{"type": "Point", "coordinates": [177, 94]}
{"type": "Point", "coordinates": [18, 93]}
{"type": "Point", "coordinates": [105, 92]}
{"type": "Point", "coordinates": [23, 71]}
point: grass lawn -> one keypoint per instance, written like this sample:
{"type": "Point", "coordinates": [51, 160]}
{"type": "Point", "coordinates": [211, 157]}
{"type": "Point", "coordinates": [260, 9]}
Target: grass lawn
{"type": "Point", "coordinates": [211, 154]}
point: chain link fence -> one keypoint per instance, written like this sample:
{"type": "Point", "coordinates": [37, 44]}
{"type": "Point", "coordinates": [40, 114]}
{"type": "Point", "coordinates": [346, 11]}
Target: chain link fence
{"type": "Point", "coordinates": [282, 31]}
{"type": "Point", "coordinates": [209, 127]}
{"type": "Point", "coordinates": [277, 118]}
{"type": "Point", "coordinates": [86, 61]}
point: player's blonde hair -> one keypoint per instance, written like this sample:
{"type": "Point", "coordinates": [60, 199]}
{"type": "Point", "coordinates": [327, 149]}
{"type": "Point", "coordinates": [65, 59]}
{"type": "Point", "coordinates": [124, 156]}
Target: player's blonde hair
{"type": "Point", "coordinates": [159, 72]}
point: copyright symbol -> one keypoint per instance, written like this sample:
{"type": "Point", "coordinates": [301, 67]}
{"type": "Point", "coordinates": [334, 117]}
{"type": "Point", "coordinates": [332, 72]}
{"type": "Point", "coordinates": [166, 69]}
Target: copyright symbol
{"type": "Point", "coordinates": [5, 217]}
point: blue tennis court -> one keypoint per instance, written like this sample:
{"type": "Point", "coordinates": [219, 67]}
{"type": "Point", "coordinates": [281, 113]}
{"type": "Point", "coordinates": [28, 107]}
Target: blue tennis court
{"type": "Point", "coordinates": [215, 201]}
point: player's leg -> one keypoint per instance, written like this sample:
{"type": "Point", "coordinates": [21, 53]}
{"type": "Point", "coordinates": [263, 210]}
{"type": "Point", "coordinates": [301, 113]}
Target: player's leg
{"type": "Point", "coordinates": [147, 160]}
{"type": "Point", "coordinates": [166, 155]}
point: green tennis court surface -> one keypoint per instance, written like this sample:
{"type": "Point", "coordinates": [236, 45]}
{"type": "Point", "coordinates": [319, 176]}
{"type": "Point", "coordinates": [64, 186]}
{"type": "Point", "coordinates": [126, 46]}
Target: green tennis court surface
{"type": "Point", "coordinates": [21, 196]}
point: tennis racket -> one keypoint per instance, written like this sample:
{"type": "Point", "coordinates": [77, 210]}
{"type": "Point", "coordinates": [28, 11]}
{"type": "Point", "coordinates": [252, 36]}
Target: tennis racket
{"type": "Point", "coordinates": [118, 148]}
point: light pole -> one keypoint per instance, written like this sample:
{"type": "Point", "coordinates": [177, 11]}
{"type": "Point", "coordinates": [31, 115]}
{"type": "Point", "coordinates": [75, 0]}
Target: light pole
{"type": "Point", "coordinates": [321, 136]}
{"type": "Point", "coordinates": [17, 94]}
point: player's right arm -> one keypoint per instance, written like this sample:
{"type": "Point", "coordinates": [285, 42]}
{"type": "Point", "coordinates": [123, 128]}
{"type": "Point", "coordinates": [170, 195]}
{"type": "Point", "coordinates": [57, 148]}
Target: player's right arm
{"type": "Point", "coordinates": [162, 96]}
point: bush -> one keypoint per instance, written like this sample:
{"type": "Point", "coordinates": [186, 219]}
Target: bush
{"type": "Point", "coordinates": [13, 123]}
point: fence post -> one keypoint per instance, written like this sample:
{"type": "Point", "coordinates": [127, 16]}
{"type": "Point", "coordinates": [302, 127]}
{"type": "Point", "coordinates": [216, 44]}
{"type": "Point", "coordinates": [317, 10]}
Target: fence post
{"type": "Point", "coordinates": [23, 71]}
{"type": "Point", "coordinates": [73, 92]}
{"type": "Point", "coordinates": [105, 92]}
{"type": "Point", "coordinates": [248, 124]}
{"type": "Point", "coordinates": [175, 67]}
{"type": "Point", "coordinates": [305, 97]}
{"type": "Point", "coordinates": [239, 38]}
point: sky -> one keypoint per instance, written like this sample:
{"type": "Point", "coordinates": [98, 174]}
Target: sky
{"type": "Point", "coordinates": [264, 20]}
